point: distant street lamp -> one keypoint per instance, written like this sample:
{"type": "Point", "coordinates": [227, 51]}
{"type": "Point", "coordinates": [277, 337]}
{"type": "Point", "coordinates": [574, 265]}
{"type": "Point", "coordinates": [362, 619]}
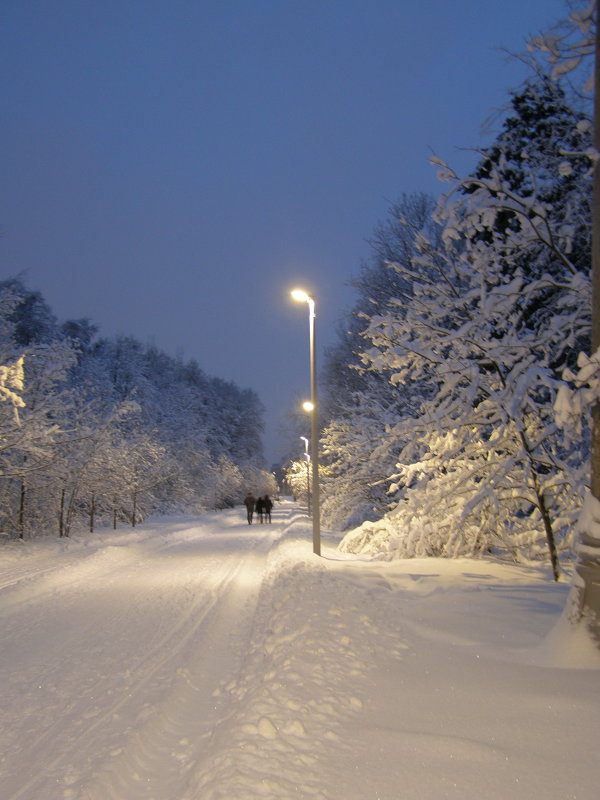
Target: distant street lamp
{"type": "Point", "coordinates": [302, 297]}
{"type": "Point", "coordinates": [307, 459]}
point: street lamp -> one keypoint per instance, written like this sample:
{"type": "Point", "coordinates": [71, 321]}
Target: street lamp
{"type": "Point", "coordinates": [307, 459]}
{"type": "Point", "coordinates": [303, 297]}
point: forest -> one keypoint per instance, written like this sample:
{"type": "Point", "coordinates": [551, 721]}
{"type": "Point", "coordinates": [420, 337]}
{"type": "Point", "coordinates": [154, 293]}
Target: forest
{"type": "Point", "coordinates": [97, 431]}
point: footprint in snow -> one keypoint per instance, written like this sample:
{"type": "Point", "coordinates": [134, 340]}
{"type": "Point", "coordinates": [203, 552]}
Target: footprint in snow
{"type": "Point", "coordinates": [267, 729]}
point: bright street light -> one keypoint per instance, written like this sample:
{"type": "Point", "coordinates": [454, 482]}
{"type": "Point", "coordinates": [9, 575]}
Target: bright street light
{"type": "Point", "coordinates": [300, 295]}
{"type": "Point", "coordinates": [303, 297]}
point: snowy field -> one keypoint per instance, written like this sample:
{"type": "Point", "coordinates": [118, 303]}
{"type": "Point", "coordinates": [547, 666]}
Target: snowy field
{"type": "Point", "coordinates": [203, 659]}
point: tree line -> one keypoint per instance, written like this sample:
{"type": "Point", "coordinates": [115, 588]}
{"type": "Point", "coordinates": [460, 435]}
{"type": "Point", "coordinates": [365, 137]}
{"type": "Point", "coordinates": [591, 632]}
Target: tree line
{"type": "Point", "coordinates": [103, 431]}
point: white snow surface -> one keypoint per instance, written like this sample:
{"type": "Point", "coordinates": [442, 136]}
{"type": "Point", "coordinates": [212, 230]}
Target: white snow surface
{"type": "Point", "coordinates": [200, 658]}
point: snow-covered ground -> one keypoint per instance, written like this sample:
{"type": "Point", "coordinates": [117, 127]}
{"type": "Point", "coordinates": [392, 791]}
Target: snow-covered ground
{"type": "Point", "coordinates": [203, 659]}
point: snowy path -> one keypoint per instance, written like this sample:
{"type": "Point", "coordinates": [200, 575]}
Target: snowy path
{"type": "Point", "coordinates": [201, 659]}
{"type": "Point", "coordinates": [119, 654]}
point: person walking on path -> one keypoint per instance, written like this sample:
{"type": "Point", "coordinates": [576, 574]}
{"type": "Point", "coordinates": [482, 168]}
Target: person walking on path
{"type": "Point", "coordinates": [249, 502]}
{"type": "Point", "coordinates": [260, 509]}
{"type": "Point", "coordinates": [267, 506]}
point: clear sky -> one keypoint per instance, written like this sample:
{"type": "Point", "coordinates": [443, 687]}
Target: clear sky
{"type": "Point", "coordinates": [172, 168]}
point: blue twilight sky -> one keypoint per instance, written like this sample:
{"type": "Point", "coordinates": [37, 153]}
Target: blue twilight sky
{"type": "Point", "coordinates": [171, 168]}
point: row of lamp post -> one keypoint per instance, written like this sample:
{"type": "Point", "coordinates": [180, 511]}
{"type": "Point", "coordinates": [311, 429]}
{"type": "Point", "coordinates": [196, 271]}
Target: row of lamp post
{"type": "Point", "coordinates": [303, 297]}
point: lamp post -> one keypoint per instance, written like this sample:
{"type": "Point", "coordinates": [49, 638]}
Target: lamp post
{"type": "Point", "coordinates": [307, 459]}
{"type": "Point", "coordinates": [303, 297]}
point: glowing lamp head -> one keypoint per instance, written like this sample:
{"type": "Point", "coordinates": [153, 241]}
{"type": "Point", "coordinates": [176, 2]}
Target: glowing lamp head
{"type": "Point", "coordinates": [308, 406]}
{"type": "Point", "coordinates": [300, 295]}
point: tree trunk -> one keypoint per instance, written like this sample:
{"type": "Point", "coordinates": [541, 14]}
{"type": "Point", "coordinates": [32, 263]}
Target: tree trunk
{"type": "Point", "coordinates": [21, 524]}
{"type": "Point", "coordinates": [549, 533]}
{"type": "Point", "coordinates": [69, 513]}
{"type": "Point", "coordinates": [61, 514]}
{"type": "Point", "coordinates": [543, 509]}
{"type": "Point", "coordinates": [92, 513]}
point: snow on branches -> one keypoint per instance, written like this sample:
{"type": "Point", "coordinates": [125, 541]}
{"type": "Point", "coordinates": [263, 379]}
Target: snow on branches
{"type": "Point", "coordinates": [109, 431]}
{"type": "Point", "coordinates": [570, 44]}
{"type": "Point", "coordinates": [488, 320]}
{"type": "Point", "coordinates": [575, 399]}
{"type": "Point", "coordinates": [11, 385]}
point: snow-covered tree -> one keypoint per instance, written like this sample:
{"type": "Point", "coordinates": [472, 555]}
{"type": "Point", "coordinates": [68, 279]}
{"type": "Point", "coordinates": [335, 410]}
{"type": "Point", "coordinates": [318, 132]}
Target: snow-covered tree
{"type": "Point", "coordinates": [360, 405]}
{"type": "Point", "coordinates": [359, 450]}
{"type": "Point", "coordinates": [573, 49]}
{"type": "Point", "coordinates": [392, 241]}
{"type": "Point", "coordinates": [11, 387]}
{"type": "Point", "coordinates": [93, 431]}
{"type": "Point", "coordinates": [298, 477]}
{"type": "Point", "coordinates": [487, 321]}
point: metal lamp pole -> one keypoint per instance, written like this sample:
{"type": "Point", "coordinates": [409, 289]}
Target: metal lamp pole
{"type": "Point", "coordinates": [303, 297]}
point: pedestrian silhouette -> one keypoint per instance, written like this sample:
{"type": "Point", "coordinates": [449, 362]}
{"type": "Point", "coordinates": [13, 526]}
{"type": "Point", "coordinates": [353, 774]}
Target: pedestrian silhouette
{"type": "Point", "coordinates": [249, 502]}
{"type": "Point", "coordinates": [267, 506]}
{"type": "Point", "coordinates": [259, 509]}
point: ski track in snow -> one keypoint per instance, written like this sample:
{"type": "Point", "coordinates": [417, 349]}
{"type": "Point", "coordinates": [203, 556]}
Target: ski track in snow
{"type": "Point", "coordinates": [203, 659]}
{"type": "Point", "coordinates": [143, 717]}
